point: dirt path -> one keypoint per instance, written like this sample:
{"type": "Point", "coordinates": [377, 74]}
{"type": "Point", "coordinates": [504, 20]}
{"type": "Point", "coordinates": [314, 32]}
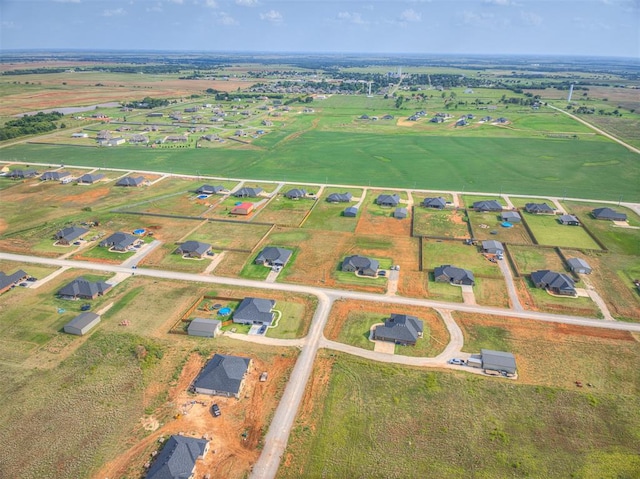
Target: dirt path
{"type": "Point", "coordinates": [593, 294]}
{"type": "Point", "coordinates": [214, 262]}
{"type": "Point", "coordinates": [511, 288]}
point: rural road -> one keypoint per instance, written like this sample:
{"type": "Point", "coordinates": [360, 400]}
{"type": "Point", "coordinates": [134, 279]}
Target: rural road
{"type": "Point", "coordinates": [596, 129]}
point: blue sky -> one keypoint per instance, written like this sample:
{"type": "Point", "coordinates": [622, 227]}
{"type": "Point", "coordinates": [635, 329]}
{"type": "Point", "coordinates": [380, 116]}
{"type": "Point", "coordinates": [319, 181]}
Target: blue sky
{"type": "Point", "coordinates": [549, 27]}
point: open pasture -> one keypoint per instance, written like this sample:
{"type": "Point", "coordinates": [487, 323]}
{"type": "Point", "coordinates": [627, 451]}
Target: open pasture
{"type": "Point", "coordinates": [531, 258]}
{"type": "Point", "coordinates": [401, 421]}
{"type": "Point", "coordinates": [230, 236]}
{"type": "Point", "coordinates": [442, 223]}
{"type": "Point", "coordinates": [548, 231]}
{"type": "Point", "coordinates": [377, 219]}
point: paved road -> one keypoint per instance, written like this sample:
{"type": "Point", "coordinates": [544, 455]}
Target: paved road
{"type": "Point", "coordinates": [511, 288]}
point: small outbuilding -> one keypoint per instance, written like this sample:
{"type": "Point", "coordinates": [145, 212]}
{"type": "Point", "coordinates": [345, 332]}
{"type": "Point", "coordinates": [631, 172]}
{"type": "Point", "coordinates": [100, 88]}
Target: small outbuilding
{"type": "Point", "coordinates": [498, 361]}
{"type": "Point", "coordinates": [511, 216]}
{"type": "Point", "coordinates": [243, 209]}
{"type": "Point", "coordinates": [578, 265]}
{"type": "Point", "coordinates": [569, 220]}
{"type": "Point", "coordinates": [350, 212]}
{"type": "Point", "coordinates": [82, 324]}
{"type": "Point", "coordinates": [492, 247]}
{"type": "Point", "coordinates": [205, 328]}
{"type": "Point", "coordinates": [400, 213]}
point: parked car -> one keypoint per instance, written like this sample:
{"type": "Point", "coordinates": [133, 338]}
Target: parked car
{"type": "Point", "coordinates": [459, 362]}
{"type": "Point", "coordinates": [24, 285]}
{"type": "Point", "coordinates": [85, 307]}
{"type": "Point", "coordinates": [264, 376]}
{"type": "Point", "coordinates": [382, 273]}
{"type": "Point", "coordinates": [32, 279]}
{"type": "Point", "coordinates": [215, 410]}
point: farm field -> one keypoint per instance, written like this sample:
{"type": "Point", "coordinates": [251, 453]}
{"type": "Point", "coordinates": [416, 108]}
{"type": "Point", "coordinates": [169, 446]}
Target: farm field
{"type": "Point", "coordinates": [443, 162]}
{"type": "Point", "coordinates": [548, 231]}
{"type": "Point", "coordinates": [616, 239]}
{"type": "Point", "coordinates": [445, 223]}
{"type": "Point", "coordinates": [407, 427]}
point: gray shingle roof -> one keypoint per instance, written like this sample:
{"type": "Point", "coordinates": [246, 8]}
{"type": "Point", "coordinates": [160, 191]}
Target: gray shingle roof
{"type": "Point", "coordinates": [454, 274]}
{"type": "Point", "coordinates": [119, 241]}
{"type": "Point", "coordinates": [511, 216]}
{"type": "Point", "coordinates": [351, 211]}
{"type": "Point", "coordinates": [360, 263]}
{"type": "Point", "coordinates": [90, 178]}
{"type": "Point", "coordinates": [388, 200]}
{"type": "Point", "coordinates": [54, 175]}
{"type": "Point", "coordinates": [400, 213]}
{"type": "Point", "coordinates": [177, 459]}
{"type": "Point", "coordinates": [339, 197]}
{"type": "Point", "coordinates": [274, 255]}
{"type": "Point", "coordinates": [400, 327]}
{"type": "Point", "coordinates": [193, 247]}
{"type": "Point", "coordinates": [568, 219]}
{"type": "Point", "coordinates": [492, 246]}
{"type": "Point", "coordinates": [203, 325]}
{"type": "Point", "coordinates": [223, 373]}
{"type": "Point", "coordinates": [82, 320]}
{"type": "Point", "coordinates": [538, 208]}
{"type": "Point", "coordinates": [438, 202]}
{"type": "Point", "coordinates": [209, 189]}
{"type": "Point", "coordinates": [558, 282]}
{"type": "Point", "coordinates": [254, 310]}
{"type": "Point", "coordinates": [22, 174]}
{"type": "Point", "coordinates": [81, 288]}
{"type": "Point", "coordinates": [487, 205]}
{"type": "Point", "coordinates": [70, 233]}
{"type": "Point", "coordinates": [578, 263]}
{"type": "Point", "coordinates": [296, 193]}
{"type": "Point", "coordinates": [9, 279]}
{"type": "Point", "coordinates": [608, 214]}
{"type": "Point", "coordinates": [247, 192]}
{"type": "Point", "coordinates": [130, 181]}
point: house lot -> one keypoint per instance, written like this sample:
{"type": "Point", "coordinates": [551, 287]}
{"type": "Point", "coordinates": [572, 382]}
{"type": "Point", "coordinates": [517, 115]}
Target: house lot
{"type": "Point", "coordinates": [441, 223]}
{"type": "Point", "coordinates": [488, 226]}
{"type": "Point", "coordinates": [548, 231]}
{"type": "Point", "coordinates": [350, 322]}
{"type": "Point", "coordinates": [532, 258]}
{"type": "Point", "coordinates": [469, 200]}
{"type": "Point", "coordinates": [230, 236]}
{"type": "Point", "coordinates": [377, 214]}
{"type": "Point", "coordinates": [227, 208]}
{"type": "Point", "coordinates": [286, 211]}
{"type": "Point", "coordinates": [329, 216]}
{"type": "Point", "coordinates": [538, 299]}
{"type": "Point", "coordinates": [618, 239]}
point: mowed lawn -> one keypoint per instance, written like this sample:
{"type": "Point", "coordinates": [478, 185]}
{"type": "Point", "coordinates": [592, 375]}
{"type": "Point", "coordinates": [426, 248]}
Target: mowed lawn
{"type": "Point", "coordinates": [548, 231]}
{"type": "Point", "coordinates": [444, 223]}
{"type": "Point", "coordinates": [376, 420]}
{"type": "Point", "coordinates": [534, 166]}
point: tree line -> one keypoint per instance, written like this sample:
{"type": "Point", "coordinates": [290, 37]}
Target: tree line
{"type": "Point", "coordinates": [31, 125]}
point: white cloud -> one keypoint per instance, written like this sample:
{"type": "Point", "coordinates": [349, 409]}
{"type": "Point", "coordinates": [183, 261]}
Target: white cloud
{"type": "Point", "coordinates": [211, 4]}
{"type": "Point", "coordinates": [224, 18]}
{"type": "Point", "coordinates": [484, 20]}
{"type": "Point", "coordinates": [352, 17]}
{"type": "Point", "coordinates": [8, 25]}
{"type": "Point", "coordinates": [272, 16]}
{"type": "Point", "coordinates": [410, 15]}
{"type": "Point", "coordinates": [114, 13]}
{"type": "Point", "coordinates": [247, 3]}
{"type": "Point", "coordinates": [67, 1]}
{"type": "Point", "coordinates": [156, 8]}
{"type": "Point", "coordinates": [531, 18]}
{"type": "Point", "coordinates": [501, 3]}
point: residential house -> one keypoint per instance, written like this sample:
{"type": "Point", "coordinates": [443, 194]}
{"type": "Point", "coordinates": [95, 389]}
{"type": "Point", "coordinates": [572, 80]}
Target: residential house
{"type": "Point", "coordinates": [209, 189]}
{"type": "Point", "coordinates": [112, 142]}
{"type": "Point", "coordinates": [492, 247]}
{"type": "Point", "coordinates": [388, 200]}
{"type": "Point", "coordinates": [400, 329]}
{"type": "Point", "coordinates": [487, 205]}
{"type": "Point", "coordinates": [339, 197]}
{"type": "Point", "coordinates": [243, 209]}
{"type": "Point", "coordinates": [131, 181]}
{"type": "Point", "coordinates": [62, 176]}
{"type": "Point", "coordinates": [400, 213]}
{"type": "Point", "coordinates": [255, 311]}
{"type": "Point", "coordinates": [569, 220]}
{"type": "Point", "coordinates": [558, 283]}
{"type": "Point", "coordinates": [438, 203]}
{"type": "Point", "coordinates": [436, 119]}
{"type": "Point", "coordinates": [205, 328]}
{"type": "Point", "coordinates": [193, 249]}
{"type": "Point", "coordinates": [103, 135]}
{"type": "Point", "coordinates": [82, 324]}
{"type": "Point", "coordinates": [223, 375]}
{"type": "Point", "coordinates": [273, 256]}
{"type": "Point", "coordinates": [361, 265]}
{"type": "Point", "coordinates": [175, 139]}
{"type": "Point", "coordinates": [80, 288]}
{"type": "Point", "coordinates": [79, 135]}
{"type": "Point", "coordinates": [90, 178]}
{"type": "Point", "coordinates": [462, 122]}
{"type": "Point", "coordinates": [350, 212]}
{"type": "Point", "coordinates": [7, 281]}
{"type": "Point", "coordinates": [22, 174]}
{"type": "Point", "coordinates": [267, 123]}
{"type": "Point", "coordinates": [139, 139]}
{"type": "Point", "coordinates": [296, 193]}
{"type": "Point", "coordinates": [387, 117]}
{"type": "Point", "coordinates": [498, 361]}
{"type": "Point", "coordinates": [511, 216]}
{"type": "Point", "coordinates": [177, 459]}
{"type": "Point", "coordinates": [68, 235]}
{"type": "Point", "coordinates": [454, 275]}
{"type": "Point", "coordinates": [246, 192]}
{"type": "Point", "coordinates": [539, 209]}
{"type": "Point", "coordinates": [608, 214]}
{"type": "Point", "coordinates": [578, 265]}
{"type": "Point", "coordinates": [120, 241]}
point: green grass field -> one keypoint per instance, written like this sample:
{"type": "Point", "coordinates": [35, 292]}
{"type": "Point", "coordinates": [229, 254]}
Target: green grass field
{"type": "Point", "coordinates": [518, 165]}
{"type": "Point", "coordinates": [396, 422]}
{"type": "Point", "coordinates": [548, 231]}
{"type": "Point", "coordinates": [445, 223]}
{"type": "Point", "coordinates": [436, 253]}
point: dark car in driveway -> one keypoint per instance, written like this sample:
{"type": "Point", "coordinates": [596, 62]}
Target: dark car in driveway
{"type": "Point", "coordinates": [215, 410]}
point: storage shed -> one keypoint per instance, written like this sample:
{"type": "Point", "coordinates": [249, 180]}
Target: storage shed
{"type": "Point", "coordinates": [205, 328]}
{"type": "Point", "coordinates": [82, 324]}
{"type": "Point", "coordinates": [498, 361]}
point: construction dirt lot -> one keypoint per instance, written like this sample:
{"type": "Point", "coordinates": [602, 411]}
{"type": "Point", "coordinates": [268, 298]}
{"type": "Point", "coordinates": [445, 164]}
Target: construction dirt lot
{"type": "Point", "coordinates": [233, 437]}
